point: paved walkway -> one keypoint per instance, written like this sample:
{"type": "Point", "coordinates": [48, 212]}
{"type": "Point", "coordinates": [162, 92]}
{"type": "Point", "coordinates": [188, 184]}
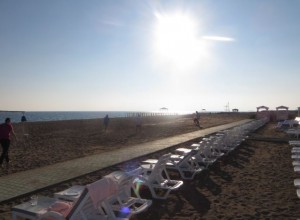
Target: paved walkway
{"type": "Point", "coordinates": [26, 182]}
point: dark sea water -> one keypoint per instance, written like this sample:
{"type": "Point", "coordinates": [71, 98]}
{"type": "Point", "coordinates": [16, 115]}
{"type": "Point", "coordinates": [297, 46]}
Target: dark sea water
{"type": "Point", "coordinates": [65, 115]}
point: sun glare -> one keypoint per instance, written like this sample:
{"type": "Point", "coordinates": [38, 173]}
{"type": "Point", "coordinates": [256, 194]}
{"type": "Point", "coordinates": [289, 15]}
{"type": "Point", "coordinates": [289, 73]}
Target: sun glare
{"type": "Point", "coordinates": [176, 42]}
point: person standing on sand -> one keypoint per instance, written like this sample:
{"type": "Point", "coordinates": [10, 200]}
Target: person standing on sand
{"type": "Point", "coordinates": [197, 119]}
{"type": "Point", "coordinates": [197, 115]}
{"type": "Point", "coordinates": [23, 118]}
{"type": "Point", "coordinates": [106, 122]}
{"type": "Point", "coordinates": [6, 129]}
{"type": "Point", "coordinates": [138, 123]}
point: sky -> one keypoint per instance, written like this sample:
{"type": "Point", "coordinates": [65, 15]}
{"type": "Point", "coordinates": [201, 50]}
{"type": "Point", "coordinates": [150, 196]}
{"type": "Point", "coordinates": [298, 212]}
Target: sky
{"type": "Point", "coordinates": [133, 55]}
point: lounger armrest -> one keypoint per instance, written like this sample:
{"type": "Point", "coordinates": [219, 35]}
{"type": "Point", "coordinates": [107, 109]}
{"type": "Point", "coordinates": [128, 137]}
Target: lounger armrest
{"type": "Point", "coordinates": [145, 205]}
{"type": "Point", "coordinates": [151, 161]}
{"type": "Point", "coordinates": [147, 167]}
{"type": "Point", "coordinates": [178, 183]}
{"type": "Point", "coordinates": [52, 215]}
{"type": "Point", "coordinates": [176, 157]}
{"type": "Point", "coordinates": [135, 172]}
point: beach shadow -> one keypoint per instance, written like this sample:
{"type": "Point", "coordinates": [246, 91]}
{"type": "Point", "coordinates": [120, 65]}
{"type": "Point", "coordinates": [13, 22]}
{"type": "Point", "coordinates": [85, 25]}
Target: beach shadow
{"type": "Point", "coordinates": [172, 205]}
{"type": "Point", "coordinates": [196, 199]}
{"type": "Point", "coordinates": [234, 159]}
{"type": "Point", "coordinates": [155, 211]}
{"type": "Point", "coordinates": [248, 149]}
{"type": "Point", "coordinates": [208, 183]}
{"type": "Point", "coordinates": [187, 197]}
{"type": "Point", "coordinates": [131, 135]}
{"type": "Point", "coordinates": [219, 172]}
{"type": "Point", "coordinates": [244, 159]}
{"type": "Point", "coordinates": [245, 153]}
{"type": "Point", "coordinates": [4, 171]}
{"type": "Point", "coordinates": [233, 162]}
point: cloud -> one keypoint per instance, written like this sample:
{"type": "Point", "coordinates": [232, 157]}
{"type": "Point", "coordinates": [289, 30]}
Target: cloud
{"type": "Point", "coordinates": [218, 38]}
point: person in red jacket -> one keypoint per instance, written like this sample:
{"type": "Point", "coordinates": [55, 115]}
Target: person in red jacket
{"type": "Point", "coordinates": [6, 129]}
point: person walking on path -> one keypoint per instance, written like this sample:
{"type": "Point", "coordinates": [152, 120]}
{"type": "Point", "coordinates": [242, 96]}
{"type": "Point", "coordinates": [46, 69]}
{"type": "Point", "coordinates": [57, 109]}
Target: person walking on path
{"type": "Point", "coordinates": [106, 122]}
{"type": "Point", "coordinates": [6, 129]}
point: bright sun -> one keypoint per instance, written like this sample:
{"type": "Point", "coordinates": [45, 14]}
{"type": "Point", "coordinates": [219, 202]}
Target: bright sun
{"type": "Point", "coordinates": [176, 42]}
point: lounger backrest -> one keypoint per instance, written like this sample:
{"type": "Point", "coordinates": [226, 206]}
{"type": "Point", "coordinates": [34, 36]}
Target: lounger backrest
{"type": "Point", "coordinates": [188, 160]}
{"type": "Point", "coordinates": [83, 204]}
{"type": "Point", "coordinates": [122, 182]}
{"type": "Point", "coordinates": [101, 190]}
{"type": "Point", "coordinates": [159, 168]}
{"type": "Point", "coordinates": [207, 151]}
{"type": "Point", "coordinates": [163, 159]}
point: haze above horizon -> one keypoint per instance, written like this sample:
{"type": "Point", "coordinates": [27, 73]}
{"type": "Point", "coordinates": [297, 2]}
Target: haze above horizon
{"type": "Point", "coordinates": [144, 55]}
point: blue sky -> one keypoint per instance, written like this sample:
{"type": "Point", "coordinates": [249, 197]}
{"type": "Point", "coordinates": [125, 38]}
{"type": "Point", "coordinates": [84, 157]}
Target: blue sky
{"type": "Point", "coordinates": [143, 55]}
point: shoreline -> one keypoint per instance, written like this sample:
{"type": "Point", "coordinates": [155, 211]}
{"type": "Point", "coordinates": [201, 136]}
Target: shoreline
{"type": "Point", "coordinates": [45, 116]}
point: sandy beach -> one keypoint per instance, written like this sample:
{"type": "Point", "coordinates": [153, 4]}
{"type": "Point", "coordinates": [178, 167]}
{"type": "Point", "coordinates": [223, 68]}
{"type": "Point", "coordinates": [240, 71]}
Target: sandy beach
{"type": "Point", "coordinates": [45, 143]}
{"type": "Point", "coordinates": [253, 182]}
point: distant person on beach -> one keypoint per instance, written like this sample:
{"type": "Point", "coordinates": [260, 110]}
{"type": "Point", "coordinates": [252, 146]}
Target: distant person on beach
{"type": "Point", "coordinates": [6, 129]}
{"type": "Point", "coordinates": [106, 122]}
{"type": "Point", "coordinates": [138, 123]}
{"type": "Point", "coordinates": [197, 119]}
{"type": "Point", "coordinates": [23, 118]}
{"type": "Point", "coordinates": [197, 115]}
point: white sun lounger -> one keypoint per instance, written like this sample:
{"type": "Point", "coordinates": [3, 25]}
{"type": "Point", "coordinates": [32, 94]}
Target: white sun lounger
{"type": "Point", "coordinates": [297, 169]}
{"type": "Point", "coordinates": [295, 156]}
{"type": "Point", "coordinates": [297, 183]}
{"type": "Point", "coordinates": [155, 176]}
{"type": "Point", "coordinates": [298, 193]}
{"type": "Point", "coordinates": [186, 165]}
{"type": "Point", "coordinates": [294, 143]}
{"type": "Point", "coordinates": [296, 163]}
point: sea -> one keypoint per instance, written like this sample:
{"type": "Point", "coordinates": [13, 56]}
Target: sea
{"type": "Point", "coordinates": [33, 116]}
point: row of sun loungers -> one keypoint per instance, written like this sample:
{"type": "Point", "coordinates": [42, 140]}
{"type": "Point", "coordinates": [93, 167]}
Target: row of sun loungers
{"type": "Point", "coordinates": [293, 132]}
{"type": "Point", "coordinates": [117, 195]}
{"type": "Point", "coordinates": [283, 125]}
{"type": "Point", "coordinates": [291, 127]}
{"type": "Point", "coordinates": [296, 162]}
